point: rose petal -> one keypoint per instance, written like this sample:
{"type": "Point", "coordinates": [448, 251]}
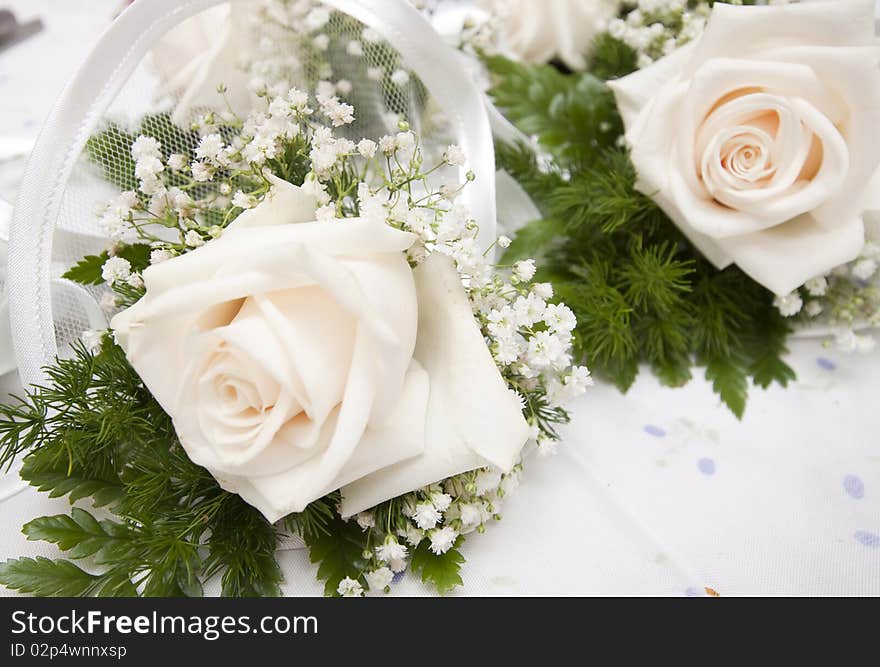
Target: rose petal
{"type": "Point", "coordinates": [814, 23]}
{"type": "Point", "coordinates": [291, 490]}
{"type": "Point", "coordinates": [636, 91]}
{"type": "Point", "coordinates": [285, 203]}
{"type": "Point", "coordinates": [853, 73]}
{"type": "Point", "coordinates": [784, 257]}
{"type": "Point", "coordinates": [784, 197]}
{"type": "Point", "coordinates": [473, 420]}
{"type": "Point", "coordinates": [401, 437]}
{"type": "Point", "coordinates": [229, 271]}
{"type": "Point", "coordinates": [219, 64]}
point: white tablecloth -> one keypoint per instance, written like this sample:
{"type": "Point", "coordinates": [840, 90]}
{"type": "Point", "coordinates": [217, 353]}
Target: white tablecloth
{"type": "Point", "coordinates": [657, 492]}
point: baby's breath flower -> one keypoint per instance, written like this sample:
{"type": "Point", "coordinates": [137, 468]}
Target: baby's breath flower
{"type": "Point", "coordinates": [543, 290]}
{"type": "Point", "coordinates": [93, 340]}
{"type": "Point", "coordinates": [242, 200]}
{"type": "Point", "coordinates": [298, 100]}
{"type": "Point", "coordinates": [338, 112]}
{"type": "Point", "coordinates": [487, 480]}
{"type": "Point", "coordinates": [405, 141]}
{"type": "Point", "coordinates": [116, 269]}
{"type": "Point", "coordinates": [365, 520]}
{"type": "Point", "coordinates": [817, 286]}
{"type": "Point", "coordinates": [350, 588]}
{"type": "Point", "coordinates": [469, 515]}
{"type": "Point", "coordinates": [387, 145]}
{"type": "Point", "coordinates": [560, 318]}
{"type": "Point", "coordinates": [390, 550]}
{"type": "Point", "coordinates": [177, 162]}
{"type": "Point", "coordinates": [441, 500]}
{"type": "Point", "coordinates": [400, 77]}
{"type": "Point", "coordinates": [367, 148]}
{"type": "Point", "coordinates": [202, 172]}
{"type": "Point", "coordinates": [355, 49]}
{"type": "Point", "coordinates": [454, 156]}
{"type": "Point", "coordinates": [426, 516]}
{"type": "Point", "coordinates": [210, 147]}
{"type": "Point", "coordinates": [193, 239]}
{"type": "Point", "coordinates": [375, 73]}
{"type": "Point", "coordinates": [814, 308]}
{"type": "Point", "coordinates": [159, 255]}
{"type": "Point", "coordinates": [109, 302]}
{"type": "Point", "coordinates": [397, 564]}
{"type": "Point", "coordinates": [788, 304]}
{"type": "Point", "coordinates": [524, 270]}
{"type": "Point", "coordinates": [413, 535]}
{"type": "Point", "coordinates": [442, 540]}
{"type": "Point", "coordinates": [864, 269]}
{"type": "Point", "coordinates": [378, 580]}
{"type": "Point", "coordinates": [148, 167]}
{"type": "Point", "coordinates": [145, 147]}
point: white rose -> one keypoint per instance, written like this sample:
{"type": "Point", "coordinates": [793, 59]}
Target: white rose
{"type": "Point", "coordinates": [759, 139]}
{"type": "Point", "coordinates": [541, 31]}
{"type": "Point", "coordinates": [203, 52]}
{"type": "Point", "coordinates": [298, 357]}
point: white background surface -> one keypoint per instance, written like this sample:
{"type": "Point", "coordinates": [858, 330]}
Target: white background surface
{"type": "Point", "coordinates": [659, 492]}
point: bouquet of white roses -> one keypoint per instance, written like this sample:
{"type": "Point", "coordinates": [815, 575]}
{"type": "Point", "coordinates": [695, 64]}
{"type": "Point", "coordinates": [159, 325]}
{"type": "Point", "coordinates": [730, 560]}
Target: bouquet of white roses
{"type": "Point", "coordinates": [706, 182]}
{"type": "Point", "coordinates": [308, 338]}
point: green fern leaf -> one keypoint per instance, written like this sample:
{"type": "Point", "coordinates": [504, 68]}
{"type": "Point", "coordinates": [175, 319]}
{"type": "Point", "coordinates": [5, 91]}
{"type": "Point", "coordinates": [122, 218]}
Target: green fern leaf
{"type": "Point", "coordinates": [338, 553]}
{"type": "Point", "coordinates": [443, 571]}
{"type": "Point", "coordinates": [44, 577]}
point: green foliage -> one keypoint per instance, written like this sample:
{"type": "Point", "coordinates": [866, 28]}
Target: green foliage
{"type": "Point", "coordinates": [87, 271]}
{"type": "Point", "coordinates": [58, 578]}
{"type": "Point", "coordinates": [93, 430]}
{"type": "Point", "coordinates": [110, 149]}
{"type": "Point", "coordinates": [81, 535]}
{"type": "Point", "coordinates": [729, 382]}
{"type": "Point", "coordinates": [641, 292]}
{"type": "Point", "coordinates": [573, 115]}
{"type": "Point", "coordinates": [339, 553]}
{"type": "Point", "coordinates": [611, 58]}
{"type": "Point", "coordinates": [443, 571]}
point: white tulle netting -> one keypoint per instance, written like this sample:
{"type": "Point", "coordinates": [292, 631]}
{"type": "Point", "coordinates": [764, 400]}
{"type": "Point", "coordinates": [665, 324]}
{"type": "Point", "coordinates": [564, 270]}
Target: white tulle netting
{"type": "Point", "coordinates": [157, 72]}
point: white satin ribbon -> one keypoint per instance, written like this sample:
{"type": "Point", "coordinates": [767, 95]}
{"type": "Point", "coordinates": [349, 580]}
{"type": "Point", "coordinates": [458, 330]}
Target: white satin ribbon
{"type": "Point", "coordinates": [64, 291]}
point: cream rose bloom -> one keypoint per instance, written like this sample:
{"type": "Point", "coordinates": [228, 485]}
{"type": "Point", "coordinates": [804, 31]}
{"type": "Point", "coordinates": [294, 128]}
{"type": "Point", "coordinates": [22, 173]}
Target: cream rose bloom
{"type": "Point", "coordinates": [208, 49]}
{"type": "Point", "coordinates": [299, 357]}
{"type": "Point", "coordinates": [760, 138]}
{"type": "Point", "coordinates": [539, 31]}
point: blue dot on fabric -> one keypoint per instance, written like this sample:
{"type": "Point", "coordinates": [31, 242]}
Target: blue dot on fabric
{"type": "Point", "coordinates": [693, 593]}
{"type": "Point", "coordinates": [854, 487]}
{"type": "Point", "coordinates": [397, 577]}
{"type": "Point", "coordinates": [827, 364]}
{"type": "Point", "coordinates": [656, 431]}
{"type": "Point", "coordinates": [706, 466]}
{"type": "Point", "coordinates": [871, 540]}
